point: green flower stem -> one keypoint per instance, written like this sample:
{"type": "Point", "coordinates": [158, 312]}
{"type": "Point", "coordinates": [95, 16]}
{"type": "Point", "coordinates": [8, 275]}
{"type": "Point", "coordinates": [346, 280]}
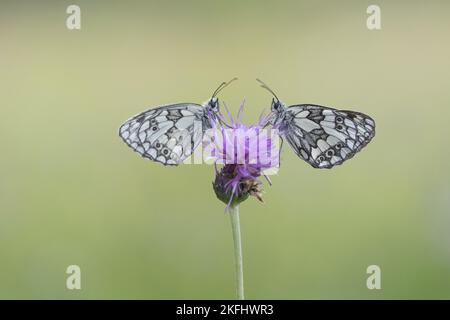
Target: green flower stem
{"type": "Point", "coordinates": [236, 228]}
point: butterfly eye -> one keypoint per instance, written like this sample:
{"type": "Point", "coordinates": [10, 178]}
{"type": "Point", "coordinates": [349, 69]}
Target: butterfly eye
{"type": "Point", "coordinates": [330, 153]}
{"type": "Point", "coordinates": [154, 128]}
{"type": "Point", "coordinates": [158, 146]}
{"type": "Point", "coordinates": [339, 119]}
{"type": "Point", "coordinates": [338, 146]}
{"type": "Point", "coordinates": [165, 151]}
{"type": "Point", "coordinates": [339, 127]}
{"type": "Point", "coordinates": [275, 105]}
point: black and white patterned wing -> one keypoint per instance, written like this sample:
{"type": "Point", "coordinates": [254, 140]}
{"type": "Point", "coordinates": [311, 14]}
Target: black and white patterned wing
{"type": "Point", "coordinates": [166, 134]}
{"type": "Point", "coordinates": [326, 137]}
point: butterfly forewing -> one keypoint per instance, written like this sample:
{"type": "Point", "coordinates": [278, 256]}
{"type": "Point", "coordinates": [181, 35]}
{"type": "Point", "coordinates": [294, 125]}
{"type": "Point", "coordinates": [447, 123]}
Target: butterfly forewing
{"type": "Point", "coordinates": [167, 134]}
{"type": "Point", "coordinates": [325, 137]}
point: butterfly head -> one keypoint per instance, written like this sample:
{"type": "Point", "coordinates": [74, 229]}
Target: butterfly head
{"type": "Point", "coordinates": [213, 105]}
{"type": "Point", "coordinates": [277, 113]}
{"type": "Point", "coordinates": [277, 106]}
{"type": "Point", "coordinates": [212, 112]}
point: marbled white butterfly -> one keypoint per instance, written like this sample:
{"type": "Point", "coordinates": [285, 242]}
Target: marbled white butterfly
{"type": "Point", "coordinates": [322, 136]}
{"type": "Point", "coordinates": [168, 134]}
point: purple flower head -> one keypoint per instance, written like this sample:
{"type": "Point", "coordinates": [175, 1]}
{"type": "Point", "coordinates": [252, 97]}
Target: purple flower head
{"type": "Point", "coordinates": [246, 153]}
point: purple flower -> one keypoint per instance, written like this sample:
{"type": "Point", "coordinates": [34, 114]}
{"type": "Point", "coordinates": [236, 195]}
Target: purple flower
{"type": "Point", "coordinates": [246, 153]}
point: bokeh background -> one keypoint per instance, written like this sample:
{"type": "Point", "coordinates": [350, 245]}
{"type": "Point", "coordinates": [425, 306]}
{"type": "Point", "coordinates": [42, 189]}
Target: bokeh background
{"type": "Point", "coordinates": [71, 192]}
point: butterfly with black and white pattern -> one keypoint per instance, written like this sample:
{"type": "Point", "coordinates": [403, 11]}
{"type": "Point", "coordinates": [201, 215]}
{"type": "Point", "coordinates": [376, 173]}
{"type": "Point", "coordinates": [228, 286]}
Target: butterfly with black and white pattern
{"type": "Point", "coordinates": [169, 134]}
{"type": "Point", "coordinates": [322, 136]}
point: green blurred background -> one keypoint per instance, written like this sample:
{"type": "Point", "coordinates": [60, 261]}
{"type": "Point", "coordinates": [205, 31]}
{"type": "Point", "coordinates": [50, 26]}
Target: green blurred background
{"type": "Point", "coordinates": [71, 192]}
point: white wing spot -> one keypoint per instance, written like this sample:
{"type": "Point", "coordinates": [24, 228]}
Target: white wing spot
{"type": "Point", "coordinates": [323, 145]}
{"type": "Point", "coordinates": [349, 123]}
{"type": "Point", "coordinates": [152, 153]}
{"type": "Point", "coordinates": [183, 123]}
{"type": "Point", "coordinates": [306, 124]}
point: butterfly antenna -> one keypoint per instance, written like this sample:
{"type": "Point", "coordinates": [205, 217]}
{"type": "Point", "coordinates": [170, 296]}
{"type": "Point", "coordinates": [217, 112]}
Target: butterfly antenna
{"type": "Point", "coordinates": [265, 86]}
{"type": "Point", "coordinates": [222, 86]}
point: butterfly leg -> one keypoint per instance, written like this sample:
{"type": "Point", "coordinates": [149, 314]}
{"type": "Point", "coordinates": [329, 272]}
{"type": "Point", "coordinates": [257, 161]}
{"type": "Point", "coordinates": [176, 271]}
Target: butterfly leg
{"type": "Point", "coordinates": [279, 151]}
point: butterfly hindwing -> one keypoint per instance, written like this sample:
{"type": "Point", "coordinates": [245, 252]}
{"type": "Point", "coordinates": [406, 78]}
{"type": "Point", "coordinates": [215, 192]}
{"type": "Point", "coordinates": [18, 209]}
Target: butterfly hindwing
{"type": "Point", "coordinates": [326, 137]}
{"type": "Point", "coordinates": [166, 134]}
